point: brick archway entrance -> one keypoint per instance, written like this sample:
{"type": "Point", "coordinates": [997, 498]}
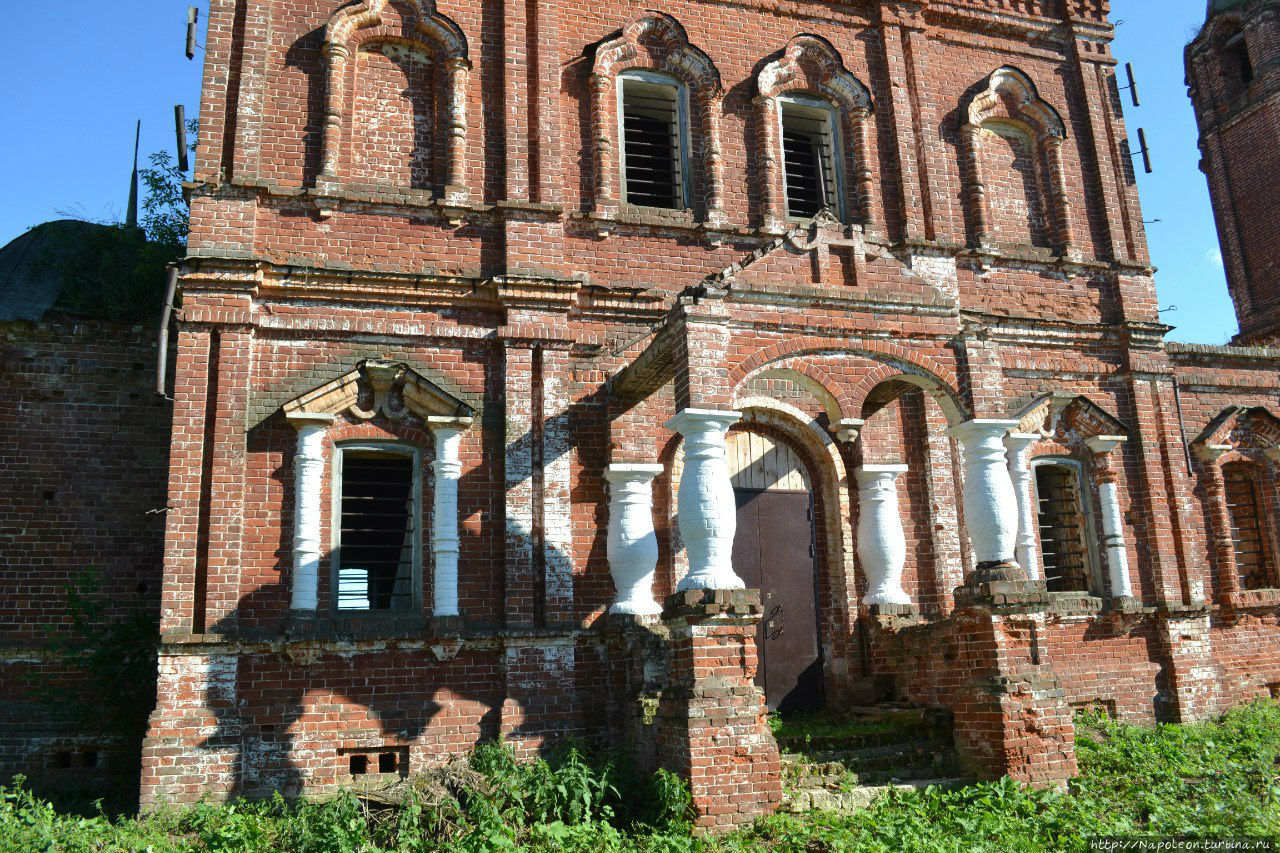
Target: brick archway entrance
{"type": "Point", "coordinates": [774, 550]}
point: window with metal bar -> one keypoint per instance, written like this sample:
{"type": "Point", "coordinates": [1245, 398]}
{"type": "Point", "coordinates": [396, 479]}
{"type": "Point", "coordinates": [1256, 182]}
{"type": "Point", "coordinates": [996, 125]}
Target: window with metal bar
{"type": "Point", "coordinates": [808, 155]}
{"type": "Point", "coordinates": [1236, 62]}
{"type": "Point", "coordinates": [377, 546]}
{"type": "Point", "coordinates": [1064, 546]}
{"type": "Point", "coordinates": [1249, 535]}
{"type": "Point", "coordinates": [652, 155]}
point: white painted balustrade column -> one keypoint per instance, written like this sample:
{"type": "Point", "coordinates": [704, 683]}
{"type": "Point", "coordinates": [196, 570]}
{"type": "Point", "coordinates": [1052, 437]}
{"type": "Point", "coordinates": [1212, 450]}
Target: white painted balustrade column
{"type": "Point", "coordinates": [1112, 525]}
{"type": "Point", "coordinates": [633, 544]}
{"type": "Point", "coordinates": [444, 526]}
{"type": "Point", "coordinates": [705, 505]}
{"type": "Point", "coordinates": [882, 543]}
{"type": "Point", "coordinates": [990, 505]}
{"type": "Point", "coordinates": [308, 483]}
{"type": "Point", "coordinates": [1018, 445]}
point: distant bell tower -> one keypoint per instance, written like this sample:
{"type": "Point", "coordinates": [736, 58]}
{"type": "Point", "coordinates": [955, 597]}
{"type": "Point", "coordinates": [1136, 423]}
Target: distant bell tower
{"type": "Point", "coordinates": [1233, 73]}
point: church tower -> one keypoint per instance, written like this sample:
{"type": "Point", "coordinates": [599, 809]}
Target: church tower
{"type": "Point", "coordinates": [1233, 72]}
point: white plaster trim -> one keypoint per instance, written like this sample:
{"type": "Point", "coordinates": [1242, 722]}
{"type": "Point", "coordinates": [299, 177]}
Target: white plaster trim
{"type": "Point", "coordinates": [882, 543]}
{"type": "Point", "coordinates": [632, 541]}
{"type": "Point", "coordinates": [308, 479]}
{"type": "Point", "coordinates": [1105, 443]}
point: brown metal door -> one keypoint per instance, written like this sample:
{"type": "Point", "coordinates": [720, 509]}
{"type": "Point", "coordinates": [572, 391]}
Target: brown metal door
{"type": "Point", "coordinates": [773, 552]}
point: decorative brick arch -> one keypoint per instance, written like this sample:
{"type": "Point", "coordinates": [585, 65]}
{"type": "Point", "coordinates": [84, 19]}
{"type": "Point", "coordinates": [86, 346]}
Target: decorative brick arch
{"type": "Point", "coordinates": [811, 64]}
{"type": "Point", "coordinates": [1009, 98]}
{"type": "Point", "coordinates": [818, 382]}
{"type": "Point", "coordinates": [425, 29]}
{"type": "Point", "coordinates": [656, 42]}
{"type": "Point", "coordinates": [898, 363]}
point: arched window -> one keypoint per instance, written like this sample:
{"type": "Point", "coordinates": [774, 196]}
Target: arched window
{"type": "Point", "coordinates": [652, 92]}
{"type": "Point", "coordinates": [1064, 525]}
{"type": "Point", "coordinates": [1250, 532]}
{"type": "Point", "coordinates": [1236, 63]}
{"type": "Point", "coordinates": [377, 528]}
{"type": "Point", "coordinates": [653, 112]}
{"type": "Point", "coordinates": [814, 123]}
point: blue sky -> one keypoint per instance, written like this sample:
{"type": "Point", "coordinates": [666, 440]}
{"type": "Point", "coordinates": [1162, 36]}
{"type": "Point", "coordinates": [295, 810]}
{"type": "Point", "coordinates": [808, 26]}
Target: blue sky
{"type": "Point", "coordinates": [68, 110]}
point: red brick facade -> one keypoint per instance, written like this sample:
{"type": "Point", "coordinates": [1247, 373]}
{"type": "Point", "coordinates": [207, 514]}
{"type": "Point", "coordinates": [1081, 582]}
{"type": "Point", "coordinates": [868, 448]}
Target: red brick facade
{"type": "Point", "coordinates": [436, 192]}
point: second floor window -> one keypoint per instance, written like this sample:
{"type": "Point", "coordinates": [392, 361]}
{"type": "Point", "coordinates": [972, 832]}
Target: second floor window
{"type": "Point", "coordinates": [654, 168]}
{"type": "Point", "coordinates": [377, 547]}
{"type": "Point", "coordinates": [1249, 535]}
{"type": "Point", "coordinates": [809, 146]}
{"type": "Point", "coordinates": [1064, 543]}
{"type": "Point", "coordinates": [1236, 61]}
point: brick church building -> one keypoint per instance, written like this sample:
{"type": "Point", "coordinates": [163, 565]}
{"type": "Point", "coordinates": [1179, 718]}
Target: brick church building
{"type": "Point", "coordinates": [550, 370]}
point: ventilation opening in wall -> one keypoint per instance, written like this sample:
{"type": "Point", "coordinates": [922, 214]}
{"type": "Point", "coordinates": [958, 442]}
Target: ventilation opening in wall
{"type": "Point", "coordinates": [380, 761]}
{"type": "Point", "coordinates": [652, 168]}
{"type": "Point", "coordinates": [1064, 549]}
{"type": "Point", "coordinates": [378, 529]}
{"type": "Point", "coordinates": [75, 759]}
{"type": "Point", "coordinates": [808, 146]}
{"type": "Point", "coordinates": [1106, 707]}
{"type": "Point", "coordinates": [1274, 689]}
{"type": "Point", "coordinates": [1236, 60]}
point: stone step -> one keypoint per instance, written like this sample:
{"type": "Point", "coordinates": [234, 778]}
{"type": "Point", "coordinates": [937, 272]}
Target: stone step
{"type": "Point", "coordinates": [859, 797]}
{"type": "Point", "coordinates": [926, 761]}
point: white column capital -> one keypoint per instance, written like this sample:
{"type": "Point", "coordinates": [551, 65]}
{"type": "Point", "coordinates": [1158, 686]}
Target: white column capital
{"type": "Point", "coordinates": [871, 474]}
{"type": "Point", "coordinates": [301, 420]}
{"type": "Point", "coordinates": [1019, 443]}
{"type": "Point", "coordinates": [631, 472]}
{"type": "Point", "coordinates": [848, 429]}
{"type": "Point", "coordinates": [632, 542]}
{"type": "Point", "coordinates": [690, 422]}
{"type": "Point", "coordinates": [1104, 443]}
{"type": "Point", "coordinates": [979, 430]}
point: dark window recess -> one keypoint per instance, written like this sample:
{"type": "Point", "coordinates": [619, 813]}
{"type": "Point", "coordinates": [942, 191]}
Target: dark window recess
{"type": "Point", "coordinates": [358, 764]}
{"type": "Point", "coordinates": [375, 561]}
{"type": "Point", "coordinates": [1236, 60]}
{"type": "Point", "coordinates": [1063, 548]}
{"type": "Point", "coordinates": [651, 144]}
{"type": "Point", "coordinates": [1248, 531]}
{"type": "Point", "coordinates": [387, 762]}
{"type": "Point", "coordinates": [807, 157]}
{"type": "Point", "coordinates": [62, 759]}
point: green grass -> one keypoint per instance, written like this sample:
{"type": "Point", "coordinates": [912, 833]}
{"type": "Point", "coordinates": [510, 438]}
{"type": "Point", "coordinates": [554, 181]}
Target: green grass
{"type": "Point", "coordinates": [1212, 779]}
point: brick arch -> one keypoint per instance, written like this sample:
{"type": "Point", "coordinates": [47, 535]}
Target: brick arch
{"type": "Point", "coordinates": [898, 362]}
{"type": "Point", "coordinates": [822, 385]}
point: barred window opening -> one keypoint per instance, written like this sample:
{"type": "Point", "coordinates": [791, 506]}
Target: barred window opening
{"type": "Point", "coordinates": [1236, 60]}
{"type": "Point", "coordinates": [1249, 536]}
{"type": "Point", "coordinates": [653, 168]}
{"type": "Point", "coordinates": [377, 547]}
{"type": "Point", "coordinates": [808, 154]}
{"type": "Point", "coordinates": [1063, 527]}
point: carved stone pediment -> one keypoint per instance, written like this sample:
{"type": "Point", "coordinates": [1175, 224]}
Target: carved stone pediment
{"type": "Point", "coordinates": [1239, 428]}
{"type": "Point", "coordinates": [1070, 418]}
{"type": "Point", "coordinates": [381, 388]}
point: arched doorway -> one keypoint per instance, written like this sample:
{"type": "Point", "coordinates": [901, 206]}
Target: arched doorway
{"type": "Point", "coordinates": [775, 551]}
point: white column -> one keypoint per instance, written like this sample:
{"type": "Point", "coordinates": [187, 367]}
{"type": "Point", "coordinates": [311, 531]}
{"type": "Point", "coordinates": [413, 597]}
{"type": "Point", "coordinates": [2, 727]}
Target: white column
{"type": "Point", "coordinates": [705, 505]}
{"type": "Point", "coordinates": [633, 544]}
{"type": "Point", "coordinates": [1112, 526]}
{"type": "Point", "coordinates": [308, 482]}
{"type": "Point", "coordinates": [444, 525]}
{"type": "Point", "coordinates": [990, 506]}
{"type": "Point", "coordinates": [882, 544]}
{"type": "Point", "coordinates": [1018, 444]}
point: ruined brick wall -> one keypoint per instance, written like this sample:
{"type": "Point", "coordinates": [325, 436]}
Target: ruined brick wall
{"type": "Point", "coordinates": [84, 447]}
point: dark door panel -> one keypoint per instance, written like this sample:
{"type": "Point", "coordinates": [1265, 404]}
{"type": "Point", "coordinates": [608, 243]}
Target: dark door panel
{"type": "Point", "coordinates": [773, 551]}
